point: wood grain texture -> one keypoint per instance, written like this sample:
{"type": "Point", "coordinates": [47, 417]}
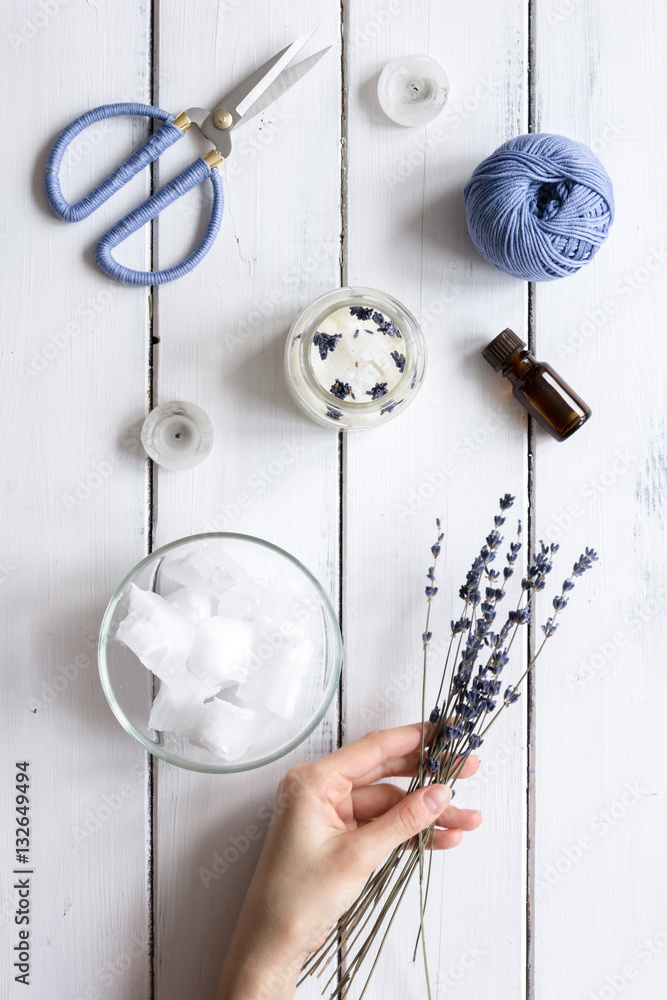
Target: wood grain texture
{"type": "Point", "coordinates": [73, 382]}
{"type": "Point", "coordinates": [272, 473]}
{"type": "Point", "coordinates": [459, 447]}
{"type": "Point", "coordinates": [76, 383]}
{"type": "Point", "coordinates": [599, 772]}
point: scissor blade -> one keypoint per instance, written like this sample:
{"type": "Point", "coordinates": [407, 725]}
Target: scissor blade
{"type": "Point", "coordinates": [287, 79]}
{"type": "Point", "coordinates": [254, 94]}
{"type": "Point", "coordinates": [262, 78]}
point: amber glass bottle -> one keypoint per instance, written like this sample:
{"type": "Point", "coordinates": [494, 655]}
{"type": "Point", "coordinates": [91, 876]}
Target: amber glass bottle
{"type": "Point", "coordinates": [535, 384]}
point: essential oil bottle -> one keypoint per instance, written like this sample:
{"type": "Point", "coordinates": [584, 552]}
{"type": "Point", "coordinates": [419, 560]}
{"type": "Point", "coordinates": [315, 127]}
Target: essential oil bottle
{"type": "Point", "coordinates": [535, 384]}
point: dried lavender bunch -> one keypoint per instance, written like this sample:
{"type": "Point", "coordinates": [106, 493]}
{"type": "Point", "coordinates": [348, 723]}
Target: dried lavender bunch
{"type": "Point", "coordinates": [467, 704]}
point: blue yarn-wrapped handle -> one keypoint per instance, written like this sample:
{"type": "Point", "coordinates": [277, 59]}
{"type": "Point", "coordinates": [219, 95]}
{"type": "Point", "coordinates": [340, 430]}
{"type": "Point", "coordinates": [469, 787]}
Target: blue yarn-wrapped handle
{"type": "Point", "coordinates": [189, 178]}
{"type": "Point", "coordinates": [140, 158]}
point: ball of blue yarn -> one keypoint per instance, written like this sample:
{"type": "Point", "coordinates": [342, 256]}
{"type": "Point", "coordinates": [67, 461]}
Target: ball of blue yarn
{"type": "Point", "coordinates": [540, 207]}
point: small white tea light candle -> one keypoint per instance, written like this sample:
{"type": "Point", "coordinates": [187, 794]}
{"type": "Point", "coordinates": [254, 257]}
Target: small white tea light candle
{"type": "Point", "coordinates": [177, 435]}
{"type": "Point", "coordinates": [412, 90]}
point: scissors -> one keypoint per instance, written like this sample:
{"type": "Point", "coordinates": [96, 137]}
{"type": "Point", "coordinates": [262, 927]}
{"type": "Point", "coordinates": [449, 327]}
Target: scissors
{"type": "Point", "coordinates": [251, 96]}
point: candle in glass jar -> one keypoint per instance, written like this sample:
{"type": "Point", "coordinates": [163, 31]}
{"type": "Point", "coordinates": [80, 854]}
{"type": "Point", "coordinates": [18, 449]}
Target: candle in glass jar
{"type": "Point", "coordinates": [347, 363]}
{"type": "Point", "coordinates": [355, 357]}
{"type": "Point", "coordinates": [177, 435]}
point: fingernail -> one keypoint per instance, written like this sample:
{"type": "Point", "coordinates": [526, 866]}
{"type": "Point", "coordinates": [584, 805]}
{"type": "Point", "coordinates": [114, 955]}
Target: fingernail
{"type": "Point", "coordinates": [437, 797]}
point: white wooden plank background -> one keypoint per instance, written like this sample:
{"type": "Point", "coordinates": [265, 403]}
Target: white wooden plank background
{"type": "Point", "coordinates": [600, 805]}
{"type": "Point", "coordinates": [559, 891]}
{"type": "Point", "coordinates": [281, 236]}
{"type": "Point", "coordinates": [74, 502]}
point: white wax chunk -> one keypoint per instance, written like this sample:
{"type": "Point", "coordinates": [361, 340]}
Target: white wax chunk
{"type": "Point", "coordinates": [224, 729]}
{"type": "Point", "coordinates": [275, 684]}
{"type": "Point", "coordinates": [241, 600]}
{"type": "Point", "coordinates": [271, 634]}
{"type": "Point", "coordinates": [221, 650]}
{"type": "Point", "coordinates": [195, 604]}
{"type": "Point", "coordinates": [229, 694]}
{"type": "Point", "coordinates": [199, 570]}
{"type": "Point", "coordinates": [217, 549]}
{"type": "Point", "coordinates": [177, 705]}
{"type": "Point", "coordinates": [282, 601]}
{"type": "Point", "coordinates": [367, 355]}
{"type": "Point", "coordinates": [268, 629]}
{"type": "Point", "coordinates": [229, 606]}
{"type": "Point", "coordinates": [251, 588]}
{"type": "Point", "coordinates": [156, 633]}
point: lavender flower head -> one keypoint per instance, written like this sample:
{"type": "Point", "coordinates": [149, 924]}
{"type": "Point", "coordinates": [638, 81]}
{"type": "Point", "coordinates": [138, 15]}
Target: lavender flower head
{"type": "Point", "coordinates": [378, 390]}
{"type": "Point", "coordinates": [326, 342]}
{"type": "Point", "coordinates": [341, 389]}
{"type": "Point", "coordinates": [471, 688]}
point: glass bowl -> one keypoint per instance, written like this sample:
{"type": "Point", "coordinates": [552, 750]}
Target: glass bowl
{"type": "Point", "coordinates": [272, 586]}
{"type": "Point", "coordinates": [355, 358]}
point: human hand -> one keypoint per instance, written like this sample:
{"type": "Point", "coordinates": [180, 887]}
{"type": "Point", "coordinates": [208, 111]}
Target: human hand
{"type": "Point", "coordinates": [331, 827]}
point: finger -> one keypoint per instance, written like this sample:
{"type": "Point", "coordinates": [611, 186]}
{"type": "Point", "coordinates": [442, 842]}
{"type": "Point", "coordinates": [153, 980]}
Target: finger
{"type": "Point", "coordinates": [374, 800]}
{"type": "Point", "coordinates": [399, 767]}
{"type": "Point", "coordinates": [460, 819]}
{"type": "Point", "coordinates": [441, 840]}
{"type": "Point", "coordinates": [368, 753]}
{"type": "Point", "coordinates": [370, 802]}
{"type": "Point", "coordinates": [470, 767]}
{"type": "Point", "coordinates": [415, 812]}
{"type": "Point", "coordinates": [444, 840]}
{"type": "Point", "coordinates": [405, 767]}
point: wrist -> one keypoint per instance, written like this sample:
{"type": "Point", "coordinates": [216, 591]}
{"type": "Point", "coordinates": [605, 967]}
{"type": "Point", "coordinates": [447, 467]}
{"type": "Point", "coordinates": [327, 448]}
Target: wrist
{"type": "Point", "coordinates": [264, 969]}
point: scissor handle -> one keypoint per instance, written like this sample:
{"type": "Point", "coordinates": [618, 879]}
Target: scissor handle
{"type": "Point", "coordinates": [185, 181]}
{"type": "Point", "coordinates": [136, 161]}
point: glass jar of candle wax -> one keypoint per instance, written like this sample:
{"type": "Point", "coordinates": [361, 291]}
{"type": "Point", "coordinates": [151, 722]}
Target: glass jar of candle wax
{"type": "Point", "coordinates": [355, 358]}
{"type": "Point", "coordinates": [177, 435]}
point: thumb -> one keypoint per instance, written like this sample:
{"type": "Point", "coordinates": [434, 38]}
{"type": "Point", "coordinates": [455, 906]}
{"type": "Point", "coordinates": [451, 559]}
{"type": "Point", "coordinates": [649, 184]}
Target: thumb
{"type": "Point", "coordinates": [409, 817]}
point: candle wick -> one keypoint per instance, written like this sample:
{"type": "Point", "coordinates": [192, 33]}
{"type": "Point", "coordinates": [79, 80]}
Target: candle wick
{"type": "Point", "coordinates": [179, 435]}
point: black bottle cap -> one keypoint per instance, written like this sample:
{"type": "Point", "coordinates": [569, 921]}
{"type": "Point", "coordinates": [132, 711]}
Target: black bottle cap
{"type": "Point", "coordinates": [502, 348]}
